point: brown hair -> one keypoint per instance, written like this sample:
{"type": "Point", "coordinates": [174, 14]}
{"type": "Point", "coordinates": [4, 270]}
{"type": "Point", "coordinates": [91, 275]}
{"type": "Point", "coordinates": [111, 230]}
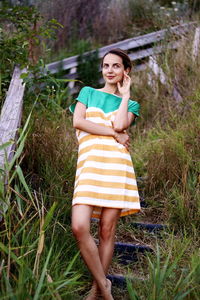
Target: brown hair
{"type": "Point", "coordinates": [125, 58]}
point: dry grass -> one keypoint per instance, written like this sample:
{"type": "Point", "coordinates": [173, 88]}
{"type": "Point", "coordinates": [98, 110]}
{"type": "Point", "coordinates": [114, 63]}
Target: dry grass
{"type": "Point", "coordinates": [164, 150]}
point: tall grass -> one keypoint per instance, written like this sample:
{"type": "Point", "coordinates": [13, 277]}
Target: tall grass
{"type": "Point", "coordinates": [39, 258]}
{"type": "Point", "coordinates": [172, 275]}
{"type": "Point", "coordinates": [166, 146]}
{"type": "Point", "coordinates": [165, 150]}
{"type": "Point", "coordinates": [35, 262]}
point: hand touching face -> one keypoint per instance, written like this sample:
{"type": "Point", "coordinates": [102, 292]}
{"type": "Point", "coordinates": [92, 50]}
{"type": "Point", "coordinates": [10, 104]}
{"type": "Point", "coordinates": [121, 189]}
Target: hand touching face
{"type": "Point", "coordinates": [124, 86]}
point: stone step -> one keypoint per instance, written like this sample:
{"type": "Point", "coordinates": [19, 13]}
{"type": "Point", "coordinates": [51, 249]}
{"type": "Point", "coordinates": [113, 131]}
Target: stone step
{"type": "Point", "coordinates": [117, 280]}
{"type": "Point", "coordinates": [153, 228]}
{"type": "Point", "coordinates": [120, 281]}
{"type": "Point", "coordinates": [128, 253]}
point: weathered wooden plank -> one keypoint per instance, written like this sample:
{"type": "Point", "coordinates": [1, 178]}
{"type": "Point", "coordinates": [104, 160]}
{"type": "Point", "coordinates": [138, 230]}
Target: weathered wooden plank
{"type": "Point", "coordinates": [196, 42]}
{"type": "Point", "coordinates": [133, 56]}
{"type": "Point", "coordinates": [132, 43]}
{"type": "Point", "coordinates": [159, 74]}
{"type": "Point", "coordinates": [156, 71]}
{"type": "Point", "coordinates": [11, 115]}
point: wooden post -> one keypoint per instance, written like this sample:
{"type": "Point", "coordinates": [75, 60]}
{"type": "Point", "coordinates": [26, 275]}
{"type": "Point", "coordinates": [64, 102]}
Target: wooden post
{"type": "Point", "coordinates": [10, 120]}
{"type": "Point", "coordinates": [158, 73]}
{"type": "Point", "coordinates": [195, 48]}
{"type": "Point", "coordinates": [72, 83]}
{"type": "Point", "coordinates": [11, 115]}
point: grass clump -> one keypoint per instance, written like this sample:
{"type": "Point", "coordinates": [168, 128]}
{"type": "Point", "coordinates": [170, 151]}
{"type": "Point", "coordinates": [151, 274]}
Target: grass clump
{"type": "Point", "coordinates": [166, 142]}
{"type": "Point", "coordinates": [165, 151]}
{"type": "Point", "coordinates": [172, 275]}
{"type": "Point", "coordinates": [35, 262]}
{"type": "Point", "coordinates": [40, 259]}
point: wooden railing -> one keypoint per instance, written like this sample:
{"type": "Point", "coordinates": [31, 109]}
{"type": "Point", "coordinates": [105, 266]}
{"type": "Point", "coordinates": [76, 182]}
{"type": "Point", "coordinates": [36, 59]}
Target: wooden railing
{"type": "Point", "coordinates": [138, 48]}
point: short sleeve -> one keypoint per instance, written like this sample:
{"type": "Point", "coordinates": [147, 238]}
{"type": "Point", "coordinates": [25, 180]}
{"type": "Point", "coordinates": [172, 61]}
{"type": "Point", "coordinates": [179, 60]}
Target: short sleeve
{"type": "Point", "coordinates": [134, 107]}
{"type": "Point", "coordinates": [82, 97]}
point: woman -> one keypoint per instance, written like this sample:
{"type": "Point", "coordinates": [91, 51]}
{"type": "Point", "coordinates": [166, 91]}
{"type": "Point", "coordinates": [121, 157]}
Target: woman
{"type": "Point", "coordinates": [105, 185]}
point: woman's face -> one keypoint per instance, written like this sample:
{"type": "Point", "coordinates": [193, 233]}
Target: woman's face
{"type": "Point", "coordinates": [112, 68]}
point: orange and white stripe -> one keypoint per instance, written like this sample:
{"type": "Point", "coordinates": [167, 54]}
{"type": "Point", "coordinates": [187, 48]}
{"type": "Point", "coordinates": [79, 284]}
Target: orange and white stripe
{"type": "Point", "coordinates": [105, 175]}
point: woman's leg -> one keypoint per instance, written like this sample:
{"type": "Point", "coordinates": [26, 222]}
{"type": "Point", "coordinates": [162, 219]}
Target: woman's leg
{"type": "Point", "coordinates": [81, 215]}
{"type": "Point", "coordinates": [107, 228]}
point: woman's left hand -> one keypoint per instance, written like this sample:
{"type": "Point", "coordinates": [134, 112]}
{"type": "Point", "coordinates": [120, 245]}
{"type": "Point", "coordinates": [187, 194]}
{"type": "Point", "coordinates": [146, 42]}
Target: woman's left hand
{"type": "Point", "coordinates": [124, 89]}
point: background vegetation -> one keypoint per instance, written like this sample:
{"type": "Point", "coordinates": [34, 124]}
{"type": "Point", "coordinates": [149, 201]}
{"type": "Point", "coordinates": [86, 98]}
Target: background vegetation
{"type": "Point", "coordinates": [39, 257]}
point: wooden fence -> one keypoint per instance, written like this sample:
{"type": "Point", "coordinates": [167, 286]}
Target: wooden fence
{"type": "Point", "coordinates": [138, 48]}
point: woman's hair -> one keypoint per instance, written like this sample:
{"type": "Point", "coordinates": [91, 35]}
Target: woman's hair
{"type": "Point", "coordinates": [125, 58]}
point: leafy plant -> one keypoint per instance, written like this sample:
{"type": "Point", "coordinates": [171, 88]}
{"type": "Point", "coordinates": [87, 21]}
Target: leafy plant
{"type": "Point", "coordinates": [22, 39]}
{"type": "Point", "coordinates": [164, 280]}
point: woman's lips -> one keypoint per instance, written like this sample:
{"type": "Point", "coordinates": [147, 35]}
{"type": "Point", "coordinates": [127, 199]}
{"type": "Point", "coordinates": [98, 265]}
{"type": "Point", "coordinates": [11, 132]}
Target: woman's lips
{"type": "Point", "coordinates": [110, 77]}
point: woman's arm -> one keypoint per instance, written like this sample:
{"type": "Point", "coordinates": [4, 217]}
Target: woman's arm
{"type": "Point", "coordinates": [123, 118]}
{"type": "Point", "coordinates": [79, 122]}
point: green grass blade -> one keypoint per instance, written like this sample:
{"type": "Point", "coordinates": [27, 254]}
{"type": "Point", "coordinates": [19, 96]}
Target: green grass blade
{"type": "Point", "coordinates": [19, 201]}
{"type": "Point", "coordinates": [49, 215]}
{"type": "Point", "coordinates": [132, 293]}
{"type": "Point", "coordinates": [39, 287]}
{"type": "Point", "coordinates": [17, 153]}
{"type": "Point", "coordinates": [71, 281]}
{"type": "Point", "coordinates": [71, 263]}
{"type": "Point", "coordinates": [5, 145]}
{"type": "Point", "coordinates": [180, 296]}
{"type": "Point", "coordinates": [22, 133]}
{"type": "Point", "coordinates": [23, 181]}
{"type": "Point", "coordinates": [12, 255]}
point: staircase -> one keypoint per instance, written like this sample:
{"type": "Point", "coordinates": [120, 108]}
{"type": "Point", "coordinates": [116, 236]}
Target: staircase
{"type": "Point", "coordinates": [129, 253]}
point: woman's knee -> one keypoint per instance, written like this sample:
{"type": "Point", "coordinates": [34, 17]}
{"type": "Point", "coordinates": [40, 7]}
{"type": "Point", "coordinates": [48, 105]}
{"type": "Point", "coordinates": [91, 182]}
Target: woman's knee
{"type": "Point", "coordinates": [81, 220]}
{"type": "Point", "coordinates": [79, 230]}
{"type": "Point", "coordinates": [107, 230]}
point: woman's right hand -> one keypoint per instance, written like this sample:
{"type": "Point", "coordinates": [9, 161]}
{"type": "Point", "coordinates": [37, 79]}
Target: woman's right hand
{"type": "Point", "coordinates": [122, 138]}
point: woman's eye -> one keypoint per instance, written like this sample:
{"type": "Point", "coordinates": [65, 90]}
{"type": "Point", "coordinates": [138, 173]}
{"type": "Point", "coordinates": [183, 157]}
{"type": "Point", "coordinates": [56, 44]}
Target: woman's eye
{"type": "Point", "coordinates": [114, 66]}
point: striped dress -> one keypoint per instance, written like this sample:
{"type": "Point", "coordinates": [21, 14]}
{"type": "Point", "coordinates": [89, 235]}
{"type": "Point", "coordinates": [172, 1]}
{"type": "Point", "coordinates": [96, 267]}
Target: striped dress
{"type": "Point", "coordinates": [105, 176]}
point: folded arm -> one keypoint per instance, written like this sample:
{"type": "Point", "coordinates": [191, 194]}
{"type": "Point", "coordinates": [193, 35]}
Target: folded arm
{"type": "Point", "coordinates": [79, 122]}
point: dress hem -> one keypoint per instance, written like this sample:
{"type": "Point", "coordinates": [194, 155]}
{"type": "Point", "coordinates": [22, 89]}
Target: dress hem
{"type": "Point", "coordinates": [123, 214]}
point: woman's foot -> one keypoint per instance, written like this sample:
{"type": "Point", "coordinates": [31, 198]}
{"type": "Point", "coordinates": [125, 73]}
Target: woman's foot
{"type": "Point", "coordinates": [107, 292]}
{"type": "Point", "coordinates": [93, 293]}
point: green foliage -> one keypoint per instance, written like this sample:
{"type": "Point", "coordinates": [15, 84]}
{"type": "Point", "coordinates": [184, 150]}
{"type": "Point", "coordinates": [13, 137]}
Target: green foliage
{"type": "Point", "coordinates": [39, 255]}
{"type": "Point", "coordinates": [88, 69]}
{"type": "Point", "coordinates": [23, 32]}
{"type": "Point", "coordinates": [51, 91]}
{"type": "Point", "coordinates": [166, 280]}
{"type": "Point", "coordinates": [35, 262]}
